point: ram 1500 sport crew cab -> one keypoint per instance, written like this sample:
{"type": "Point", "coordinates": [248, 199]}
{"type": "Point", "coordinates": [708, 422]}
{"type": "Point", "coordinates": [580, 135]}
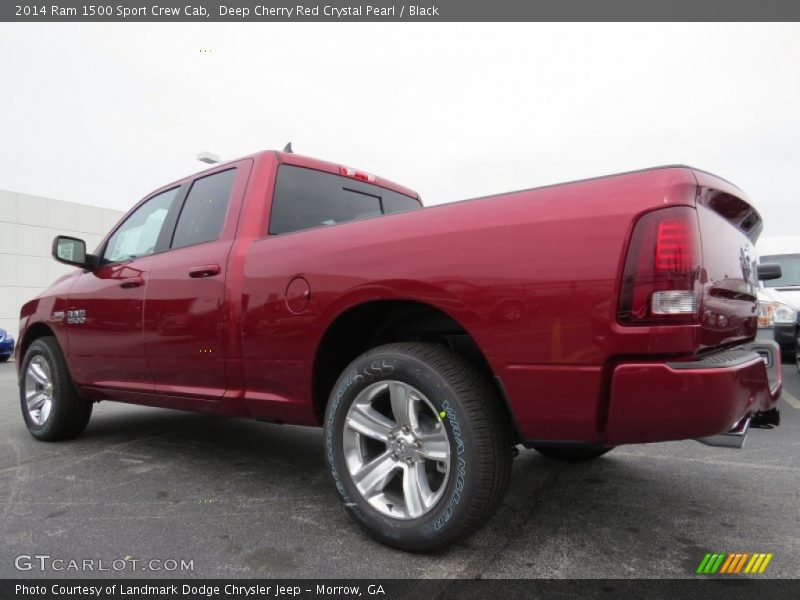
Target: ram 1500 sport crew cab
{"type": "Point", "coordinates": [427, 342]}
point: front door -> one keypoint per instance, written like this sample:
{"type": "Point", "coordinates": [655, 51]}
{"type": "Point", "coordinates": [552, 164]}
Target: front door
{"type": "Point", "coordinates": [105, 306]}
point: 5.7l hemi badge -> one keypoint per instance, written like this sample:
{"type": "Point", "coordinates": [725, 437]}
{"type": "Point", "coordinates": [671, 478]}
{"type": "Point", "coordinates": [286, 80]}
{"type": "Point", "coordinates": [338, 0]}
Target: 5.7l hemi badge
{"type": "Point", "coordinates": [76, 317]}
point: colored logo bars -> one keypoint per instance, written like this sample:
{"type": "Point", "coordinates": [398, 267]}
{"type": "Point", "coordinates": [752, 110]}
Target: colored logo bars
{"type": "Point", "coordinates": [734, 563]}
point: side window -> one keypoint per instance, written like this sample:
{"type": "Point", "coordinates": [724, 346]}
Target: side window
{"type": "Point", "coordinates": [138, 235]}
{"type": "Point", "coordinates": [204, 210]}
{"type": "Point", "coordinates": [305, 198]}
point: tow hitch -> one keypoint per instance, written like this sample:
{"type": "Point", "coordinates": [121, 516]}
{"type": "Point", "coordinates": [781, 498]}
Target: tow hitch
{"type": "Point", "coordinates": [730, 439]}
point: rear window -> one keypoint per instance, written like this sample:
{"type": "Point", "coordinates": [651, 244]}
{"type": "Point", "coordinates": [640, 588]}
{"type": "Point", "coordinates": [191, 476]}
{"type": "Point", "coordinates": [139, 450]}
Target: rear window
{"type": "Point", "coordinates": [305, 198]}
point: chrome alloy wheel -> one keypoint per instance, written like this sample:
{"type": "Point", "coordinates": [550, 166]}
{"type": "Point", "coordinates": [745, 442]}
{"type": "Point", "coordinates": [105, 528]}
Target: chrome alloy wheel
{"type": "Point", "coordinates": [396, 449]}
{"type": "Point", "coordinates": [38, 390]}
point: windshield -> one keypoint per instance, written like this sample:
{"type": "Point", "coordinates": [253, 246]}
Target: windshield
{"type": "Point", "coordinates": [790, 265]}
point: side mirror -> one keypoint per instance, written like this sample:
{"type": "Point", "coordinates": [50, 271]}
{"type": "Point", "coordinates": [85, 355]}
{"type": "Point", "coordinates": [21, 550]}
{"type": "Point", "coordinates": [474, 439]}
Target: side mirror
{"type": "Point", "coordinates": [72, 251]}
{"type": "Point", "coordinates": [769, 271]}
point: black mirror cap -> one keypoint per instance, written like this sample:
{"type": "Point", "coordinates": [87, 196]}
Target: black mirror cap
{"type": "Point", "coordinates": [77, 256]}
{"type": "Point", "coordinates": [769, 271]}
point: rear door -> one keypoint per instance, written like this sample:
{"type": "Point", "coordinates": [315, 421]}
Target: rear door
{"type": "Point", "coordinates": [186, 315]}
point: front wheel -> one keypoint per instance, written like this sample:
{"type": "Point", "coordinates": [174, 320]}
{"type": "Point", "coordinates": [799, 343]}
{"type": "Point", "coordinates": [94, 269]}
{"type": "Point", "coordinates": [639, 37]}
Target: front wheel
{"type": "Point", "coordinates": [418, 444]}
{"type": "Point", "coordinates": [51, 406]}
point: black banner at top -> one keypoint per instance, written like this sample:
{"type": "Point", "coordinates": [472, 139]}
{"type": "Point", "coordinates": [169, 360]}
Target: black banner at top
{"type": "Point", "coordinates": [398, 10]}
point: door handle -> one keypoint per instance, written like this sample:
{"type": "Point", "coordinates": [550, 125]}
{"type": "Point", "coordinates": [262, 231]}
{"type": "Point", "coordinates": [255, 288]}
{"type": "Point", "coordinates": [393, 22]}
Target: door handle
{"type": "Point", "coordinates": [132, 282]}
{"type": "Point", "coordinates": [204, 271]}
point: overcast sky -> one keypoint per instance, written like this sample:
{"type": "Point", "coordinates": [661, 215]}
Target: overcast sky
{"type": "Point", "coordinates": [104, 113]}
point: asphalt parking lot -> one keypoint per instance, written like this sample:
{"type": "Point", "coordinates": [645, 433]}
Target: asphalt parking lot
{"type": "Point", "coordinates": [247, 499]}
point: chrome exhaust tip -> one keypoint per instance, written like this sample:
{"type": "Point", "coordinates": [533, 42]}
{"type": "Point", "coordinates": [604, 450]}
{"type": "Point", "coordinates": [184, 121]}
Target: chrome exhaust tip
{"type": "Point", "coordinates": [730, 439]}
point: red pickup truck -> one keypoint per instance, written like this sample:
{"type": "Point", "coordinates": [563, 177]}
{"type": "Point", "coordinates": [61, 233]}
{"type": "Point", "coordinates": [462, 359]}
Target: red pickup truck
{"type": "Point", "coordinates": [428, 342]}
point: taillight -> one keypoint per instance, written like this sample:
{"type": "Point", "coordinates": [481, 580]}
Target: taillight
{"type": "Point", "coordinates": [661, 281]}
{"type": "Point", "coordinates": [352, 173]}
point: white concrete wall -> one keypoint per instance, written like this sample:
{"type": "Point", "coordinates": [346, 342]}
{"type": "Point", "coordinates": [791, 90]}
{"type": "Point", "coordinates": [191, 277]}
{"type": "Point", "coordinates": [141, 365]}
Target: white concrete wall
{"type": "Point", "coordinates": [28, 225]}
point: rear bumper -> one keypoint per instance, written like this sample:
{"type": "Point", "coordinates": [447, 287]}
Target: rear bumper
{"type": "Point", "coordinates": [654, 402]}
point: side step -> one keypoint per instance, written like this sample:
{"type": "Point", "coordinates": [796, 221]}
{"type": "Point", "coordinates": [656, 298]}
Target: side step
{"type": "Point", "coordinates": [730, 439]}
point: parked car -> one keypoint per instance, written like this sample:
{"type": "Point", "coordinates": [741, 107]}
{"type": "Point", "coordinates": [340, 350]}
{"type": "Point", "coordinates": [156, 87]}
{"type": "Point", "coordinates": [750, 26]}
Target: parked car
{"type": "Point", "coordinates": [6, 346]}
{"type": "Point", "coordinates": [777, 320]}
{"type": "Point", "coordinates": [779, 306]}
{"type": "Point", "coordinates": [428, 342]}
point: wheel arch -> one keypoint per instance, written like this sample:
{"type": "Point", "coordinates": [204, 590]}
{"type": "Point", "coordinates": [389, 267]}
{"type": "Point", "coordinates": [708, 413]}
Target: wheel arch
{"type": "Point", "coordinates": [33, 332]}
{"type": "Point", "coordinates": [373, 323]}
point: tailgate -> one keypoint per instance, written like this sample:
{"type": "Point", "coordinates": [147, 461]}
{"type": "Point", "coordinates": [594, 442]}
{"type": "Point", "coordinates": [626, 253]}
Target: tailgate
{"type": "Point", "coordinates": [729, 228]}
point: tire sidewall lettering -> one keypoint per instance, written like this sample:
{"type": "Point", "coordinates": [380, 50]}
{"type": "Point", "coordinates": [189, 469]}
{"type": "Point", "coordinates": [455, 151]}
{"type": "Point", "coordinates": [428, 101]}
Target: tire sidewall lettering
{"type": "Point", "coordinates": [460, 467]}
{"type": "Point", "coordinates": [350, 383]}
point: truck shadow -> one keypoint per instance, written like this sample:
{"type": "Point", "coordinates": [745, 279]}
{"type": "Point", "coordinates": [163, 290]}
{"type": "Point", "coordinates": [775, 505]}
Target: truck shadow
{"type": "Point", "coordinates": [221, 471]}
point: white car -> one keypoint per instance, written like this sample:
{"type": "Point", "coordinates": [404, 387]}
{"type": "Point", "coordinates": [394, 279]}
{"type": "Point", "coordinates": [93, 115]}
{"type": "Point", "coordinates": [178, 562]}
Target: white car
{"type": "Point", "coordinates": [779, 299]}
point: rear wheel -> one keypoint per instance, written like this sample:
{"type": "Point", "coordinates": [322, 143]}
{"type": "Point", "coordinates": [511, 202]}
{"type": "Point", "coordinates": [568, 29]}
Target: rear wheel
{"type": "Point", "coordinates": [51, 406]}
{"type": "Point", "coordinates": [575, 454]}
{"type": "Point", "coordinates": [5, 358]}
{"type": "Point", "coordinates": [418, 445]}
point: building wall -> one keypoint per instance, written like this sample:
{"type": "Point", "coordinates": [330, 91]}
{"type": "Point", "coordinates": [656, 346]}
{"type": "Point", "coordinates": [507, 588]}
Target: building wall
{"type": "Point", "coordinates": [28, 225]}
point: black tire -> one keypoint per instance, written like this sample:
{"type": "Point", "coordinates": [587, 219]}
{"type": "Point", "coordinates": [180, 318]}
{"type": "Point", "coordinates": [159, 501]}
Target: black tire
{"type": "Point", "coordinates": [477, 427]}
{"type": "Point", "coordinates": [571, 454]}
{"type": "Point", "coordinates": [4, 358]}
{"type": "Point", "coordinates": [70, 412]}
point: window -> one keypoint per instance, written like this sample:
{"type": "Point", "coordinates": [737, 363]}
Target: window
{"type": "Point", "coordinates": [305, 198]}
{"type": "Point", "coordinates": [204, 210]}
{"type": "Point", "coordinates": [394, 202]}
{"type": "Point", "coordinates": [138, 235]}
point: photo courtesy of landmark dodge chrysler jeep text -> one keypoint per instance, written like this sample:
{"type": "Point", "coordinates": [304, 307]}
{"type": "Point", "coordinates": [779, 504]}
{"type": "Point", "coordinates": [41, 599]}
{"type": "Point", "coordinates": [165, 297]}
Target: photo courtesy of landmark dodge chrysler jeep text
{"type": "Point", "coordinates": [427, 342]}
